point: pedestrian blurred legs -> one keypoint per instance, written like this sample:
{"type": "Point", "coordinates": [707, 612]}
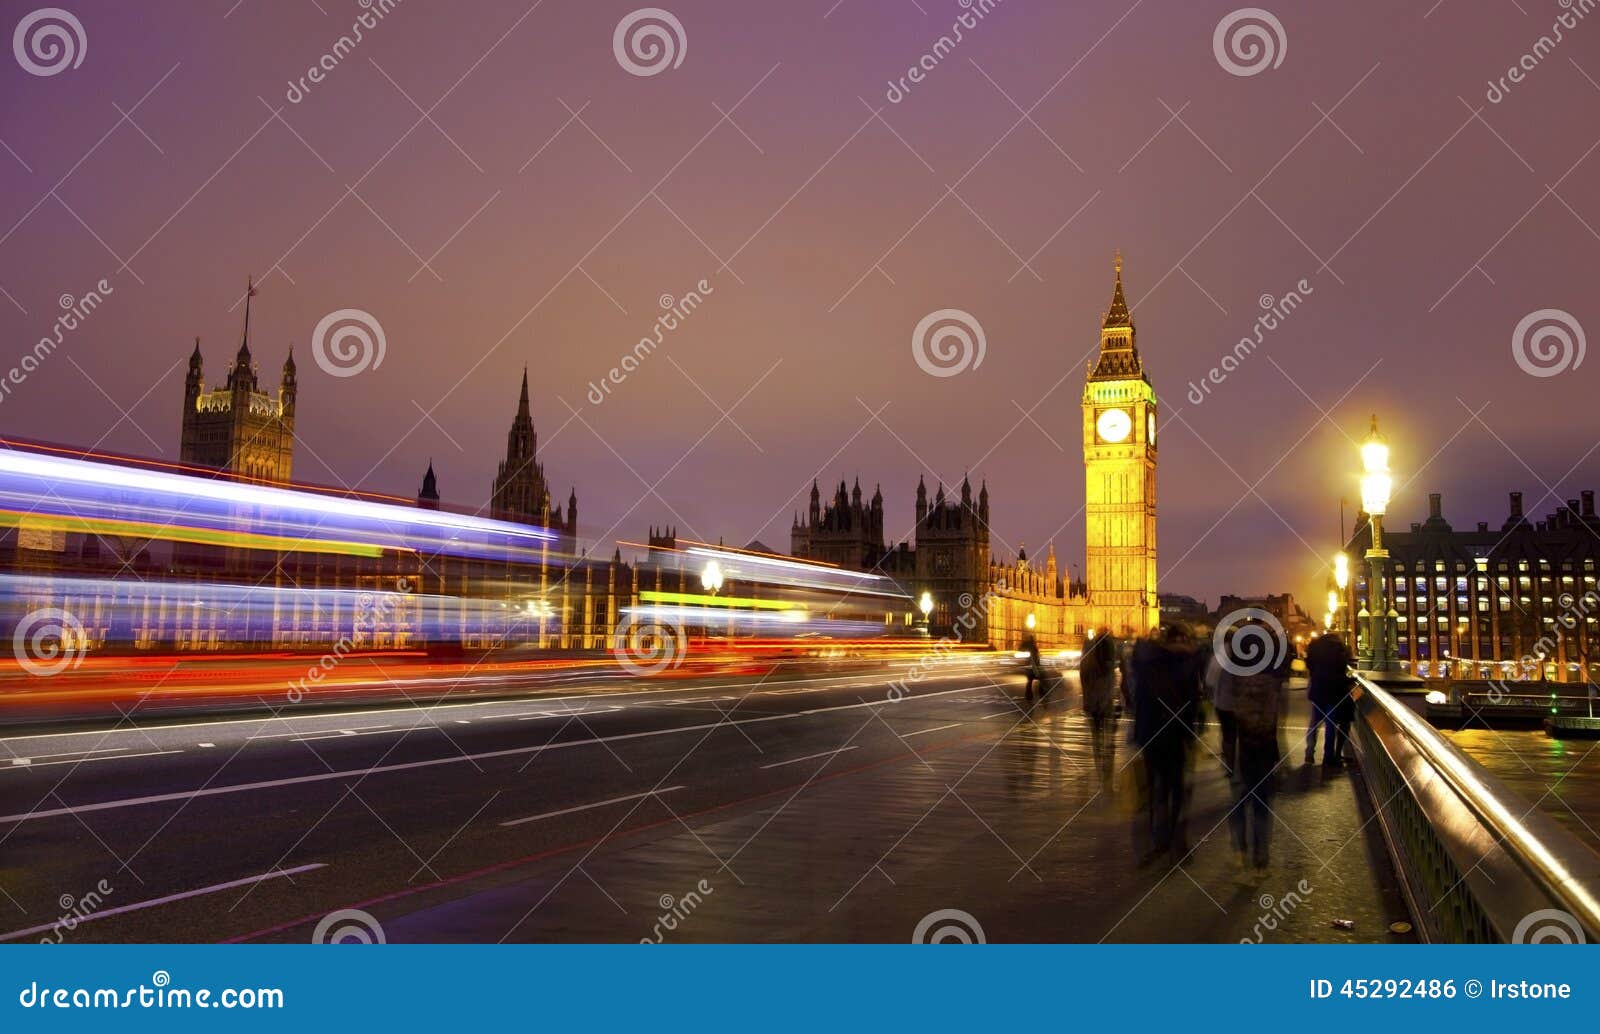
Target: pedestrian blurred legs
{"type": "Point", "coordinates": [1251, 817]}
{"type": "Point", "coordinates": [1341, 723]}
{"type": "Point", "coordinates": [1321, 718]}
{"type": "Point", "coordinates": [1165, 761]}
{"type": "Point", "coordinates": [1103, 740]}
{"type": "Point", "coordinates": [1230, 740]}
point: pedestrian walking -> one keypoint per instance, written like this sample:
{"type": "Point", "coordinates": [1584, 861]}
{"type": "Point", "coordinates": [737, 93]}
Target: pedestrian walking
{"type": "Point", "coordinates": [1034, 670]}
{"type": "Point", "coordinates": [1097, 673]}
{"type": "Point", "coordinates": [1217, 683]}
{"type": "Point", "coordinates": [1166, 699]}
{"type": "Point", "coordinates": [1258, 690]}
{"type": "Point", "coordinates": [1328, 686]}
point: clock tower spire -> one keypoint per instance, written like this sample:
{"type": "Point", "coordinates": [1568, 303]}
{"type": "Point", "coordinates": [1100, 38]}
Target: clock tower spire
{"type": "Point", "coordinates": [1119, 457]}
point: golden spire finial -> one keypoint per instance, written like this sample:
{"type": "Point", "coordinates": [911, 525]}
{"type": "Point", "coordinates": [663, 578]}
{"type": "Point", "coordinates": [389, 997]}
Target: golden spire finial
{"type": "Point", "coordinates": [1117, 261]}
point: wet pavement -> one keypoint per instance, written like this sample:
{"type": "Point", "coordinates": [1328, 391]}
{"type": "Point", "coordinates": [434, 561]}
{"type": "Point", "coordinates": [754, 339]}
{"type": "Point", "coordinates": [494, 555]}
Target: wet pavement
{"type": "Point", "coordinates": [1559, 777]}
{"type": "Point", "coordinates": [1003, 823]}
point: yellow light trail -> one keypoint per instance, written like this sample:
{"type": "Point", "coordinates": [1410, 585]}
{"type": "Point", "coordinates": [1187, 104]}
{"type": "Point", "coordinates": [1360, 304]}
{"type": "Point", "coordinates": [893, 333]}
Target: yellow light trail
{"type": "Point", "coordinates": [652, 596]}
{"type": "Point", "coordinates": [202, 536]}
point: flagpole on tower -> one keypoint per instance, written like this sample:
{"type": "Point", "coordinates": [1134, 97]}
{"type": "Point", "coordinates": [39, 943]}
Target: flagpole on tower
{"type": "Point", "coordinates": [249, 293]}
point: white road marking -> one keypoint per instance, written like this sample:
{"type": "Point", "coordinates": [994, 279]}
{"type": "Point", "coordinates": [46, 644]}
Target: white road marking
{"type": "Point", "coordinates": [454, 759]}
{"type": "Point", "coordinates": [316, 732]}
{"type": "Point", "coordinates": [120, 909]}
{"type": "Point", "coordinates": [205, 744]}
{"type": "Point", "coordinates": [586, 807]}
{"type": "Point", "coordinates": [809, 757]}
{"type": "Point", "coordinates": [936, 728]}
{"type": "Point", "coordinates": [113, 757]}
{"type": "Point", "coordinates": [1000, 714]}
{"type": "Point", "coordinates": [66, 754]}
{"type": "Point", "coordinates": [21, 762]}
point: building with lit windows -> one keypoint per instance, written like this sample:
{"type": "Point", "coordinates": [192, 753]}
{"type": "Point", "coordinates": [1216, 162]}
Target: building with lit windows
{"type": "Point", "coordinates": [1513, 601]}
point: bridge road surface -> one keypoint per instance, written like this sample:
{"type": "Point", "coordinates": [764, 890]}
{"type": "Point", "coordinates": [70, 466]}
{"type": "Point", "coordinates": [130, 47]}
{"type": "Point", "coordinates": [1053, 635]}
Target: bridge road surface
{"type": "Point", "coordinates": [815, 809]}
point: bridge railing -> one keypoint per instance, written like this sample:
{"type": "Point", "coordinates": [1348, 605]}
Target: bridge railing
{"type": "Point", "coordinates": [1477, 862]}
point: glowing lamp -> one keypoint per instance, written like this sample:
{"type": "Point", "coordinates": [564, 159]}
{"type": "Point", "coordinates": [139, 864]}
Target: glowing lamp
{"type": "Point", "coordinates": [1376, 484]}
{"type": "Point", "coordinates": [711, 576]}
{"type": "Point", "coordinates": [926, 603]}
{"type": "Point", "coordinates": [1333, 601]}
{"type": "Point", "coordinates": [1030, 621]}
{"type": "Point", "coordinates": [1341, 570]}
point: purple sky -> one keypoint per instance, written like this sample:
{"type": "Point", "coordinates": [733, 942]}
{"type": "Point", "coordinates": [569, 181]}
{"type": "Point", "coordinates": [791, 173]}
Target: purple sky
{"type": "Point", "coordinates": [826, 234]}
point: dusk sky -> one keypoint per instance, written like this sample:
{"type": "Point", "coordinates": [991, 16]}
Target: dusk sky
{"type": "Point", "coordinates": [549, 198]}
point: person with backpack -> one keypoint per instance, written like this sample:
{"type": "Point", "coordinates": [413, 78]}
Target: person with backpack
{"type": "Point", "coordinates": [1097, 673]}
{"type": "Point", "coordinates": [1259, 660]}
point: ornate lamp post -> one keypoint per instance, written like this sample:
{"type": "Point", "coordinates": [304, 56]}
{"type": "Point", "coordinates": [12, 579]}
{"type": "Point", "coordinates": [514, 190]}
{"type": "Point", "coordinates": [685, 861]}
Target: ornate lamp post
{"type": "Point", "coordinates": [1382, 620]}
{"type": "Point", "coordinates": [925, 604]}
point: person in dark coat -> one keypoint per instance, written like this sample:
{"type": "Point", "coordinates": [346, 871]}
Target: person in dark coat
{"type": "Point", "coordinates": [1035, 669]}
{"type": "Point", "coordinates": [1166, 706]}
{"type": "Point", "coordinates": [1328, 687]}
{"type": "Point", "coordinates": [1260, 661]}
{"type": "Point", "coordinates": [1097, 672]}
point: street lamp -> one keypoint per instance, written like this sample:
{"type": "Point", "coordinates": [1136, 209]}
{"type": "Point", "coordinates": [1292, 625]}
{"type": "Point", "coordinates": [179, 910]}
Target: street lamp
{"type": "Point", "coordinates": [1376, 486]}
{"type": "Point", "coordinates": [711, 580]}
{"type": "Point", "coordinates": [1341, 578]}
{"type": "Point", "coordinates": [925, 604]}
{"type": "Point", "coordinates": [1030, 621]}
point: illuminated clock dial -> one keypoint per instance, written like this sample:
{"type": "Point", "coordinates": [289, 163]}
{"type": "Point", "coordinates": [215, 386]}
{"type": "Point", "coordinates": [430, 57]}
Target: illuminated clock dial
{"type": "Point", "coordinates": [1114, 425]}
{"type": "Point", "coordinates": [1150, 428]}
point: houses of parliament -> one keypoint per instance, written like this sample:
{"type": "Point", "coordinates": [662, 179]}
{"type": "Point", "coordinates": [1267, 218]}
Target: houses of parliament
{"type": "Point", "coordinates": [562, 598]}
{"type": "Point", "coordinates": [950, 556]}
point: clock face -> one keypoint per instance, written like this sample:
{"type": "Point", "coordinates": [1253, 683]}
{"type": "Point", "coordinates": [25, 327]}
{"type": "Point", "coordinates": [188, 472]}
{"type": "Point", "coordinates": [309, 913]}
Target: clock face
{"type": "Point", "coordinates": [1114, 425]}
{"type": "Point", "coordinates": [1150, 428]}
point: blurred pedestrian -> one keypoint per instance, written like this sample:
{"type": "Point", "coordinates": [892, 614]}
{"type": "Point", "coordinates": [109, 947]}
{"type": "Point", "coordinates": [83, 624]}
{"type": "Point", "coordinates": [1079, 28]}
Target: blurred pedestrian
{"type": "Point", "coordinates": [1166, 698]}
{"type": "Point", "coordinates": [1034, 668]}
{"type": "Point", "coordinates": [1328, 686]}
{"type": "Point", "coordinates": [1217, 683]}
{"type": "Point", "coordinates": [1259, 659]}
{"type": "Point", "coordinates": [1097, 672]}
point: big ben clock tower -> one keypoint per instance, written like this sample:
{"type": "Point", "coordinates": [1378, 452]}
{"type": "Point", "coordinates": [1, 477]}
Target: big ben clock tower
{"type": "Point", "coordinates": [1119, 458]}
